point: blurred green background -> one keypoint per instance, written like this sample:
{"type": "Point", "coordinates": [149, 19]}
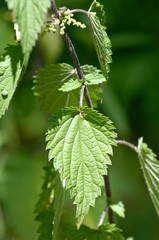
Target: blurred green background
{"type": "Point", "coordinates": [131, 100]}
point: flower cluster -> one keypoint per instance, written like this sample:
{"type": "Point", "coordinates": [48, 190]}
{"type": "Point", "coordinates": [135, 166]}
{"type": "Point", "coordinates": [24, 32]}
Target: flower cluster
{"type": "Point", "coordinates": [65, 19]}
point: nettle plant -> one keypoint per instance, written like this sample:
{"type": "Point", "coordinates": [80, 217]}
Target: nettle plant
{"type": "Point", "coordinates": [79, 138]}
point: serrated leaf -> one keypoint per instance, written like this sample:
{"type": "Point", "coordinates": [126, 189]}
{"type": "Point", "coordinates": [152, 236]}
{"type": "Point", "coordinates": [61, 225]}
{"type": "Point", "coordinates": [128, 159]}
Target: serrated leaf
{"type": "Point", "coordinates": [118, 209]}
{"type": "Point", "coordinates": [12, 68]}
{"type": "Point", "coordinates": [72, 84]}
{"type": "Point", "coordinates": [101, 41]}
{"type": "Point", "coordinates": [30, 16]}
{"type": "Point", "coordinates": [94, 78]}
{"type": "Point", "coordinates": [150, 167]}
{"type": "Point", "coordinates": [47, 83]}
{"type": "Point", "coordinates": [80, 141]}
{"type": "Point", "coordinates": [89, 69]}
{"type": "Point", "coordinates": [104, 232]}
{"type": "Point", "coordinates": [98, 9]}
{"type": "Point", "coordinates": [49, 206]}
{"type": "Point", "coordinates": [90, 79]}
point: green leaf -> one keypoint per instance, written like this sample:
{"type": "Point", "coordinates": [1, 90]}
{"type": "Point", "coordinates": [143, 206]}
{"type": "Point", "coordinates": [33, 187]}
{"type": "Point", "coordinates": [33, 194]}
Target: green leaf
{"type": "Point", "coordinates": [47, 84]}
{"type": "Point", "coordinates": [90, 79]}
{"type": "Point", "coordinates": [118, 209]}
{"type": "Point", "coordinates": [49, 206]}
{"type": "Point", "coordinates": [89, 69]}
{"type": "Point", "coordinates": [95, 91]}
{"type": "Point", "coordinates": [150, 167]}
{"type": "Point", "coordinates": [94, 78]}
{"type": "Point", "coordinates": [59, 195]}
{"type": "Point", "coordinates": [30, 16]}
{"type": "Point", "coordinates": [101, 41]}
{"type": "Point", "coordinates": [80, 141]}
{"type": "Point", "coordinates": [72, 84]}
{"type": "Point", "coordinates": [11, 70]}
{"type": "Point", "coordinates": [104, 232]}
{"type": "Point", "coordinates": [98, 9]}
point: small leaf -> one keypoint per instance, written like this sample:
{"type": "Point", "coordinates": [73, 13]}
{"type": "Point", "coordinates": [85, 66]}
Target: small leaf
{"type": "Point", "coordinates": [80, 141]}
{"type": "Point", "coordinates": [47, 84]}
{"type": "Point", "coordinates": [94, 78]}
{"type": "Point", "coordinates": [29, 16]}
{"type": "Point", "coordinates": [11, 70]}
{"type": "Point", "coordinates": [118, 209]}
{"type": "Point", "coordinates": [49, 206]}
{"type": "Point", "coordinates": [72, 84]}
{"type": "Point", "coordinates": [90, 79]}
{"type": "Point", "coordinates": [150, 167]}
{"type": "Point", "coordinates": [101, 40]}
{"type": "Point", "coordinates": [89, 69]}
{"type": "Point", "coordinates": [104, 232]}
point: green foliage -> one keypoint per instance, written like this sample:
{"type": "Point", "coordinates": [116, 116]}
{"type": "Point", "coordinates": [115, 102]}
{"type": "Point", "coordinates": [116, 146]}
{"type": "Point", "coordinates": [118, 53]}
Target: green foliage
{"type": "Point", "coordinates": [11, 71]}
{"type": "Point", "coordinates": [80, 141]}
{"type": "Point", "coordinates": [49, 206]}
{"type": "Point", "coordinates": [29, 15]}
{"type": "Point", "coordinates": [47, 84]}
{"type": "Point", "coordinates": [62, 78]}
{"type": "Point", "coordinates": [90, 79]}
{"type": "Point", "coordinates": [150, 167]}
{"type": "Point", "coordinates": [44, 206]}
{"type": "Point", "coordinates": [118, 209]}
{"type": "Point", "coordinates": [101, 41]}
{"type": "Point", "coordinates": [104, 232]}
{"type": "Point", "coordinates": [72, 84]}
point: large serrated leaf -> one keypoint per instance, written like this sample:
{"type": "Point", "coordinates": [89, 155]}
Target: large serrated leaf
{"type": "Point", "coordinates": [11, 70]}
{"type": "Point", "coordinates": [47, 84]}
{"type": "Point", "coordinates": [150, 167]}
{"type": "Point", "coordinates": [104, 232]}
{"type": "Point", "coordinates": [80, 141]}
{"type": "Point", "coordinates": [101, 41]}
{"type": "Point", "coordinates": [49, 206]}
{"type": "Point", "coordinates": [30, 16]}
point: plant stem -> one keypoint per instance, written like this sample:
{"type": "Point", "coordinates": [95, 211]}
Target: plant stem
{"type": "Point", "coordinates": [77, 10]}
{"type": "Point", "coordinates": [109, 197]}
{"type": "Point", "coordinates": [101, 220]}
{"type": "Point", "coordinates": [75, 59]}
{"type": "Point", "coordinates": [128, 144]}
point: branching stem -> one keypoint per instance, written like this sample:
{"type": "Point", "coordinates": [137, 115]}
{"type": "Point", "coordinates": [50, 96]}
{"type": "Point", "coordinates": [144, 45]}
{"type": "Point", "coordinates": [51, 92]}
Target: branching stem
{"type": "Point", "coordinates": [75, 60]}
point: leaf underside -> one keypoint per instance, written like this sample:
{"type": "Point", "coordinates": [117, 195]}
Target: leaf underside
{"type": "Point", "coordinates": [11, 70]}
{"type": "Point", "coordinates": [101, 41]}
{"type": "Point", "coordinates": [30, 16]}
{"type": "Point", "coordinates": [150, 167]}
{"type": "Point", "coordinates": [80, 141]}
{"type": "Point", "coordinates": [104, 232]}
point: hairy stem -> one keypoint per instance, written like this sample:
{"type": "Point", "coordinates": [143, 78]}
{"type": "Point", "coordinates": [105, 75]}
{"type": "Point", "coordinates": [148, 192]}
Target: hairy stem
{"type": "Point", "coordinates": [75, 58]}
{"type": "Point", "coordinates": [77, 10]}
{"type": "Point", "coordinates": [101, 220]}
{"type": "Point", "coordinates": [109, 198]}
{"type": "Point", "coordinates": [128, 144]}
